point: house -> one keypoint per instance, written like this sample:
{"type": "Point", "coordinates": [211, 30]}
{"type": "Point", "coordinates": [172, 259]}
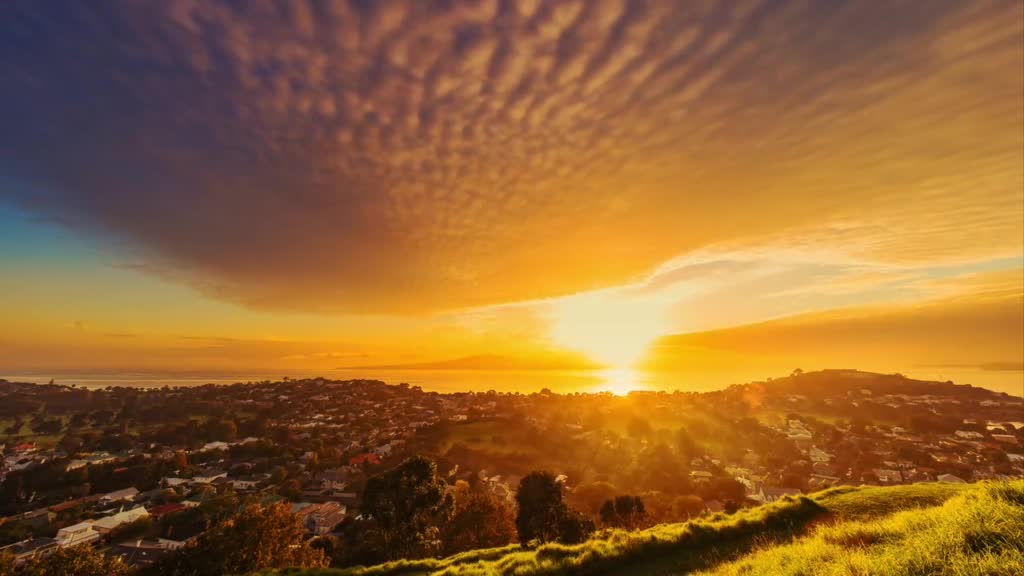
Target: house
{"type": "Point", "coordinates": [818, 455]}
{"type": "Point", "coordinates": [171, 482]}
{"type": "Point", "coordinates": [102, 458]}
{"type": "Point", "coordinates": [249, 482]}
{"type": "Point", "coordinates": [950, 478]}
{"type": "Point", "coordinates": [126, 495]}
{"type": "Point", "coordinates": [38, 519]}
{"type": "Point", "coordinates": [887, 476]}
{"type": "Point", "coordinates": [335, 479]}
{"type": "Point", "coordinates": [319, 519]}
{"type": "Point", "coordinates": [773, 494]}
{"type": "Point", "coordinates": [364, 458]}
{"type": "Point", "coordinates": [108, 523]}
{"type": "Point", "coordinates": [76, 534]}
{"type": "Point", "coordinates": [1005, 438]}
{"type": "Point", "coordinates": [143, 552]}
{"type": "Point", "coordinates": [165, 509]}
{"type": "Point", "coordinates": [208, 475]}
{"type": "Point", "coordinates": [24, 448]}
{"type": "Point", "coordinates": [823, 468]}
{"type": "Point", "coordinates": [968, 435]}
{"type": "Point", "coordinates": [214, 446]}
{"type": "Point", "coordinates": [68, 505]}
{"type": "Point", "coordinates": [29, 550]}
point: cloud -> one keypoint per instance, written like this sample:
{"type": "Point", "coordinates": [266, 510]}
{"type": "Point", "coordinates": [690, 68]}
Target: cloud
{"type": "Point", "coordinates": [980, 331]}
{"type": "Point", "coordinates": [413, 157]}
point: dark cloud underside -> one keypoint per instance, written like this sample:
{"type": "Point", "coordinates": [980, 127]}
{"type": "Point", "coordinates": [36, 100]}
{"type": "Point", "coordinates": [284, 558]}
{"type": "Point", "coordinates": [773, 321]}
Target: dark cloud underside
{"type": "Point", "coordinates": [415, 156]}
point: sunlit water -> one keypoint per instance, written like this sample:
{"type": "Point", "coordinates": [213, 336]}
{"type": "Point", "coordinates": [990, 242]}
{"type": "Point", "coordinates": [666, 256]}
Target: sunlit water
{"type": "Point", "coordinates": [619, 381]}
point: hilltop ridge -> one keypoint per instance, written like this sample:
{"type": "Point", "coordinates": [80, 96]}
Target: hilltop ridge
{"type": "Point", "coordinates": [927, 528]}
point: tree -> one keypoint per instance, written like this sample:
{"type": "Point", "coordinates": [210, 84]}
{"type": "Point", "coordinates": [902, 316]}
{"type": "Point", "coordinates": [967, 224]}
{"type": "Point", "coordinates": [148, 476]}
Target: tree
{"type": "Point", "coordinates": [291, 489]}
{"type": "Point", "coordinates": [623, 512]}
{"type": "Point", "coordinates": [542, 514]}
{"type": "Point", "coordinates": [688, 506]}
{"type": "Point", "coordinates": [574, 527]}
{"type": "Point", "coordinates": [80, 561]}
{"type": "Point", "coordinates": [225, 430]}
{"type": "Point", "coordinates": [724, 488]}
{"type": "Point", "coordinates": [638, 427]}
{"type": "Point", "coordinates": [278, 474]}
{"type": "Point", "coordinates": [409, 505]}
{"type": "Point", "coordinates": [70, 443]}
{"type": "Point", "coordinates": [540, 507]}
{"type": "Point", "coordinates": [589, 497]}
{"type": "Point", "coordinates": [257, 538]}
{"type": "Point", "coordinates": [480, 520]}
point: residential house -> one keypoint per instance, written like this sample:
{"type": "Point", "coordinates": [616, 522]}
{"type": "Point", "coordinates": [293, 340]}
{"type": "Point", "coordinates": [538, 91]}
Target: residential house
{"type": "Point", "coordinates": [1005, 438]}
{"type": "Point", "coordinates": [334, 479]}
{"type": "Point", "coordinates": [38, 519]}
{"type": "Point", "coordinates": [166, 509]}
{"type": "Point", "coordinates": [214, 446]}
{"type": "Point", "coordinates": [364, 458]}
{"type": "Point", "coordinates": [29, 550]}
{"type": "Point", "coordinates": [126, 495]}
{"type": "Point", "coordinates": [208, 475]}
{"type": "Point", "coordinates": [773, 494]}
{"type": "Point", "coordinates": [108, 523]}
{"type": "Point", "coordinates": [77, 534]}
{"type": "Point", "coordinates": [319, 519]}
{"type": "Point", "coordinates": [143, 552]}
{"type": "Point", "coordinates": [248, 482]}
{"type": "Point", "coordinates": [950, 478]}
{"type": "Point", "coordinates": [888, 476]}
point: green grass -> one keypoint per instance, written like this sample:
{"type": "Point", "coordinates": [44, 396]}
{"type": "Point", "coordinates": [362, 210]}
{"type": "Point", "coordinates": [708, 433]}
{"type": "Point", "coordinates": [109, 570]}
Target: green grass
{"type": "Point", "coordinates": [980, 531]}
{"type": "Point", "coordinates": [917, 529]}
{"type": "Point", "coordinates": [857, 503]}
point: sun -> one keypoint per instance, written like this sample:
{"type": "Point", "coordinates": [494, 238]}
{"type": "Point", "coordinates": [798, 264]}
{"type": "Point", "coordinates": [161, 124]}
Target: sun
{"type": "Point", "coordinates": [619, 381]}
{"type": "Point", "coordinates": [608, 327]}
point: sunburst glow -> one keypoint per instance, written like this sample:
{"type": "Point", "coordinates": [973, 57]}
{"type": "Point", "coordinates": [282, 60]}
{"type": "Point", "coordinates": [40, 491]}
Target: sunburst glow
{"type": "Point", "coordinates": [609, 327]}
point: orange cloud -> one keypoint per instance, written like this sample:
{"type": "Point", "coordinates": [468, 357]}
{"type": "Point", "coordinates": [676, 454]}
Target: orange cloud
{"type": "Point", "coordinates": [414, 157]}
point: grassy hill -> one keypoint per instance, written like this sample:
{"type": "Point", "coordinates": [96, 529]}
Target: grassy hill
{"type": "Point", "coordinates": [954, 529]}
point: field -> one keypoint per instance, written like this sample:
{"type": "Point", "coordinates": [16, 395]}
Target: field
{"type": "Point", "coordinates": [919, 529]}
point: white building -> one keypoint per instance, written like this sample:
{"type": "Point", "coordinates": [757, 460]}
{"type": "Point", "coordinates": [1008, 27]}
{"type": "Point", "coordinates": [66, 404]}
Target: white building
{"type": "Point", "coordinates": [106, 524]}
{"type": "Point", "coordinates": [81, 533]}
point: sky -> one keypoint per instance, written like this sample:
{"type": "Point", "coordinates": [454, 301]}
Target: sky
{"type": "Point", "coordinates": [191, 185]}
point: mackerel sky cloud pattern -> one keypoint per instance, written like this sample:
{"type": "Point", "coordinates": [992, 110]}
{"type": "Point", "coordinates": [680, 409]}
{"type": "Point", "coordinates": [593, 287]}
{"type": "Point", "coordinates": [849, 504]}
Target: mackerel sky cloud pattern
{"type": "Point", "coordinates": [410, 157]}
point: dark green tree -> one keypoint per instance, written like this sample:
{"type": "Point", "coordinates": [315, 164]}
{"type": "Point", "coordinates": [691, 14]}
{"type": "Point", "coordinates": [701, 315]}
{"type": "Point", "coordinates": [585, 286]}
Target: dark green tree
{"type": "Point", "coordinates": [480, 520]}
{"type": "Point", "coordinates": [542, 514]}
{"type": "Point", "coordinates": [409, 505]}
{"type": "Point", "coordinates": [623, 512]}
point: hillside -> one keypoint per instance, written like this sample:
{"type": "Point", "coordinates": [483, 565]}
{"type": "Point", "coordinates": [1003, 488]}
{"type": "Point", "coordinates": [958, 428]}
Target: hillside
{"type": "Point", "coordinates": [913, 529]}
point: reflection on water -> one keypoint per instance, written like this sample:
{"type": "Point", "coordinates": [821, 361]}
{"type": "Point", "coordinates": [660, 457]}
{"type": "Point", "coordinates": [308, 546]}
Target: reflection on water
{"type": "Point", "coordinates": [617, 381]}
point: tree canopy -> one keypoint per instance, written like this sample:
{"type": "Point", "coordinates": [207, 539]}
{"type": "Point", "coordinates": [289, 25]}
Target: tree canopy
{"type": "Point", "coordinates": [408, 504]}
{"type": "Point", "coordinates": [543, 516]}
{"type": "Point", "coordinates": [257, 538]}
